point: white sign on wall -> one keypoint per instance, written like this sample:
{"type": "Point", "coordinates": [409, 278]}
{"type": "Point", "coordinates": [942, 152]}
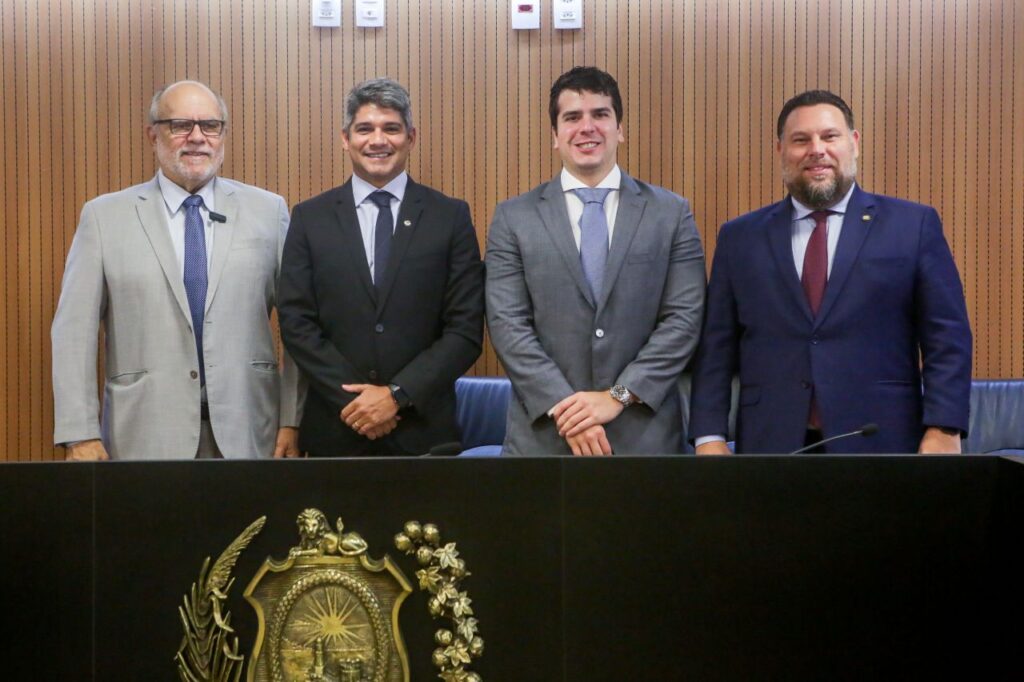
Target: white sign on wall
{"type": "Point", "coordinates": [369, 13]}
{"type": "Point", "coordinates": [567, 14]}
{"type": "Point", "coordinates": [327, 13]}
{"type": "Point", "coordinates": [525, 14]}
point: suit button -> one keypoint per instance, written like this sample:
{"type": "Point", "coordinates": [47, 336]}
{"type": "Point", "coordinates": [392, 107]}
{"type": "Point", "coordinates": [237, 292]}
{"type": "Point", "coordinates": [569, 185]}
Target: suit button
{"type": "Point", "coordinates": [379, 328]}
{"type": "Point", "coordinates": [599, 333]}
{"type": "Point", "coordinates": [372, 375]}
{"type": "Point", "coordinates": [814, 341]}
{"type": "Point", "coordinates": [194, 374]}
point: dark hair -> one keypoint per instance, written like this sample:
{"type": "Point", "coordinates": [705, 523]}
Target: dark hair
{"type": "Point", "coordinates": [385, 93]}
{"type": "Point", "coordinates": [809, 99]}
{"type": "Point", "coordinates": [588, 79]}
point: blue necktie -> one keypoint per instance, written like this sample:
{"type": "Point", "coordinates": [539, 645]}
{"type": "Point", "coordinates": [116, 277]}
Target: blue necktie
{"type": "Point", "coordinates": [593, 237]}
{"type": "Point", "coordinates": [195, 272]}
{"type": "Point", "coordinates": [382, 234]}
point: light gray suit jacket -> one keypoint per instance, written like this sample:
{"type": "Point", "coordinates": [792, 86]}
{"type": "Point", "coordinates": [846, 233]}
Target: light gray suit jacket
{"type": "Point", "coordinates": [554, 339]}
{"type": "Point", "coordinates": [122, 271]}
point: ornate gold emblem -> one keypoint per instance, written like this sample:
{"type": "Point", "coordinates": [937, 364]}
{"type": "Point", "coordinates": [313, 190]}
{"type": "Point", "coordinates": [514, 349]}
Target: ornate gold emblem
{"type": "Point", "coordinates": [328, 612]}
{"type": "Point", "coordinates": [442, 575]}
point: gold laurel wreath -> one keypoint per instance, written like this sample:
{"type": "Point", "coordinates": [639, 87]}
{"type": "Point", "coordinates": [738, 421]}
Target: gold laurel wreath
{"type": "Point", "coordinates": [209, 648]}
{"type": "Point", "coordinates": [442, 575]}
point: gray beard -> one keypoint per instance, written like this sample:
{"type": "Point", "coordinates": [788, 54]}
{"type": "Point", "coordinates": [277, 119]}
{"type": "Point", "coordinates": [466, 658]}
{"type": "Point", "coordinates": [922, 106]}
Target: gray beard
{"type": "Point", "coordinates": [821, 196]}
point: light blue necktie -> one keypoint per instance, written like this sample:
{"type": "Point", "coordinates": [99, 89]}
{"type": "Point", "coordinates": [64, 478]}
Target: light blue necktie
{"type": "Point", "coordinates": [382, 233]}
{"type": "Point", "coordinates": [195, 272]}
{"type": "Point", "coordinates": [593, 237]}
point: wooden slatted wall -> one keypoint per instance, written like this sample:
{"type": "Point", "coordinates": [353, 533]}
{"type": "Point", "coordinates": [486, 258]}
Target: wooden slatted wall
{"type": "Point", "coordinates": [937, 87]}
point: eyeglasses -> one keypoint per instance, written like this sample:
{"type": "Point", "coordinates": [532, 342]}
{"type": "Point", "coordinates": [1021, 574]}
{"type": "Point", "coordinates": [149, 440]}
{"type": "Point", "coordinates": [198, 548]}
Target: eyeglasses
{"type": "Point", "coordinates": [180, 127]}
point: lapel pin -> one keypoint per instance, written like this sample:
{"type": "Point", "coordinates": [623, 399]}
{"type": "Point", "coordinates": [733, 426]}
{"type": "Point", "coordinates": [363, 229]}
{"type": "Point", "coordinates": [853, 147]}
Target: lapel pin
{"type": "Point", "coordinates": [865, 217]}
{"type": "Point", "coordinates": [407, 223]}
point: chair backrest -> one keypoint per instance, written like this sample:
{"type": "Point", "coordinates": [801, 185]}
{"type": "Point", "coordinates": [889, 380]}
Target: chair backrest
{"type": "Point", "coordinates": [997, 416]}
{"type": "Point", "coordinates": [481, 406]}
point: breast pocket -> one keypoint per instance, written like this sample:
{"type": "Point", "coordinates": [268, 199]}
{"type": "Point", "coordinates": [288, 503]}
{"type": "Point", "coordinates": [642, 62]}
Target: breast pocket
{"type": "Point", "coordinates": [251, 243]}
{"type": "Point", "coordinates": [640, 258]}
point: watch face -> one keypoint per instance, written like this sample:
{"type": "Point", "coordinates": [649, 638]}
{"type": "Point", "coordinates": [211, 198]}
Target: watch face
{"type": "Point", "coordinates": [621, 393]}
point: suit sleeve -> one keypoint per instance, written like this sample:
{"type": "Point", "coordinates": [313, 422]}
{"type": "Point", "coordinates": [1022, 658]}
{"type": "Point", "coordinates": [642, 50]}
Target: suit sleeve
{"type": "Point", "coordinates": [537, 379]}
{"type": "Point", "coordinates": [716, 360]}
{"type": "Point", "coordinates": [943, 329]}
{"type": "Point", "coordinates": [75, 336]}
{"type": "Point", "coordinates": [324, 367]}
{"type": "Point", "coordinates": [293, 382]}
{"type": "Point", "coordinates": [435, 369]}
{"type": "Point", "coordinates": [657, 366]}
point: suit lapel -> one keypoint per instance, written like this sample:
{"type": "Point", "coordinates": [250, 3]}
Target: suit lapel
{"type": "Point", "coordinates": [352, 238]}
{"type": "Point", "coordinates": [860, 214]}
{"type": "Point", "coordinates": [555, 217]}
{"type": "Point", "coordinates": [780, 238]}
{"type": "Point", "coordinates": [627, 222]}
{"type": "Point", "coordinates": [408, 219]}
{"type": "Point", "coordinates": [150, 209]}
{"type": "Point", "coordinates": [227, 205]}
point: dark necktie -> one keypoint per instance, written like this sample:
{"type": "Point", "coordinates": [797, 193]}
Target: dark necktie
{"type": "Point", "coordinates": [195, 272]}
{"type": "Point", "coordinates": [382, 234]}
{"type": "Point", "coordinates": [814, 279]}
{"type": "Point", "coordinates": [815, 272]}
{"type": "Point", "coordinates": [593, 237]}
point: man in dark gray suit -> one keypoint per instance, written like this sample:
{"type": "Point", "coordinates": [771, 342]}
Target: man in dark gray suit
{"type": "Point", "coordinates": [595, 292]}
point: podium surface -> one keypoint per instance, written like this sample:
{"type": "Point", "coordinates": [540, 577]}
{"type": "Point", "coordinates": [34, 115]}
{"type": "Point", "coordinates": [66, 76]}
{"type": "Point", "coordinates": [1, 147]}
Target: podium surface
{"type": "Point", "coordinates": [583, 569]}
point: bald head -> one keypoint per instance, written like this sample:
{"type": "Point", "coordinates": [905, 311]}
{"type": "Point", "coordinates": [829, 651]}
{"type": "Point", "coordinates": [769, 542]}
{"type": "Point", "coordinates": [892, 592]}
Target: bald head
{"type": "Point", "coordinates": [185, 131]}
{"type": "Point", "coordinates": [187, 88]}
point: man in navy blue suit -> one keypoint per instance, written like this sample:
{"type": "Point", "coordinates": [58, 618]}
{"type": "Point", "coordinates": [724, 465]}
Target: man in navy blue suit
{"type": "Point", "coordinates": [836, 308]}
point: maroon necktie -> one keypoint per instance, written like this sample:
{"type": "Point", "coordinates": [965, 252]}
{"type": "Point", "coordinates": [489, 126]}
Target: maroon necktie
{"type": "Point", "coordinates": [815, 274]}
{"type": "Point", "coordinates": [814, 279]}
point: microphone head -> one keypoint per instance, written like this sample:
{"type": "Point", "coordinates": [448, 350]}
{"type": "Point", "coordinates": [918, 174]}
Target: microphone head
{"type": "Point", "coordinates": [450, 449]}
{"type": "Point", "coordinates": [869, 430]}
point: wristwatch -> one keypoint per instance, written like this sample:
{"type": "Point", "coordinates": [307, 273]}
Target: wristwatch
{"type": "Point", "coordinates": [622, 394]}
{"type": "Point", "coordinates": [400, 397]}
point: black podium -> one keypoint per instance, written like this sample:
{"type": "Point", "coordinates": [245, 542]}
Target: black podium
{"type": "Point", "coordinates": [585, 570]}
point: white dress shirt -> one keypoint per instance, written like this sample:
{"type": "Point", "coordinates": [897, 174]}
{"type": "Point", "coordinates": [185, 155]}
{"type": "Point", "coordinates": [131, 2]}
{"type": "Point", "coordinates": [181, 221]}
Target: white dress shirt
{"type": "Point", "coordinates": [174, 196]}
{"type": "Point", "coordinates": [575, 205]}
{"type": "Point", "coordinates": [367, 211]}
{"type": "Point", "coordinates": [803, 226]}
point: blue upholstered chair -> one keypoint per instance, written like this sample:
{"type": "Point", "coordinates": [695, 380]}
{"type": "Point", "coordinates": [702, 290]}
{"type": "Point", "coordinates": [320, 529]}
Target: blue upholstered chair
{"type": "Point", "coordinates": [997, 417]}
{"type": "Point", "coordinates": [996, 422]}
{"type": "Point", "coordinates": [481, 405]}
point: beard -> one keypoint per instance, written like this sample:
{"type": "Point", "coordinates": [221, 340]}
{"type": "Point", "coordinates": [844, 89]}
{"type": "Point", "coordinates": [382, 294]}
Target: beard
{"type": "Point", "coordinates": [820, 195]}
{"type": "Point", "coordinates": [189, 176]}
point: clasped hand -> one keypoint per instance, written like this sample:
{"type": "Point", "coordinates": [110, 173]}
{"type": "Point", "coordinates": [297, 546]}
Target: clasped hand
{"type": "Point", "coordinates": [580, 419]}
{"type": "Point", "coordinates": [373, 413]}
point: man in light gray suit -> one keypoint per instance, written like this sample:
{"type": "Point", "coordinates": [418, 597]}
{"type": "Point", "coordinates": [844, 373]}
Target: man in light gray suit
{"type": "Point", "coordinates": [181, 272]}
{"type": "Point", "coordinates": [595, 292]}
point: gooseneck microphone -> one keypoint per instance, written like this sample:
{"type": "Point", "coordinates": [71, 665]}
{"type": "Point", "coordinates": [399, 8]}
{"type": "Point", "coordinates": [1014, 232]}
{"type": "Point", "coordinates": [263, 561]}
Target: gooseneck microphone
{"type": "Point", "coordinates": [450, 449]}
{"type": "Point", "coordinates": [866, 430]}
{"type": "Point", "coordinates": [218, 217]}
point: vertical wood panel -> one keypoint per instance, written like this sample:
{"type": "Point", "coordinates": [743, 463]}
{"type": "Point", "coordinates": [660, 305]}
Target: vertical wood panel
{"type": "Point", "coordinates": [937, 89]}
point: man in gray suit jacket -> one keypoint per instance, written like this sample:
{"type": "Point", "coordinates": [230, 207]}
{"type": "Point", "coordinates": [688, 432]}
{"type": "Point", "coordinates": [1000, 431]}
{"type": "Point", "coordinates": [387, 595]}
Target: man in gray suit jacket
{"type": "Point", "coordinates": [595, 292]}
{"type": "Point", "coordinates": [182, 273]}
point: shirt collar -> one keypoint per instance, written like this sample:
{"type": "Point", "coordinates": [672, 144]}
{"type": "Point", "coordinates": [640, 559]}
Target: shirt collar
{"type": "Point", "coordinates": [800, 211]}
{"type": "Point", "coordinates": [362, 189]}
{"type": "Point", "coordinates": [174, 194]}
{"type": "Point", "coordinates": [611, 181]}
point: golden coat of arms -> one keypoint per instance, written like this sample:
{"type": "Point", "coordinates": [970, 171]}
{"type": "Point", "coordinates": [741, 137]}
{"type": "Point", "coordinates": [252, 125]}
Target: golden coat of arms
{"type": "Point", "coordinates": [328, 612]}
